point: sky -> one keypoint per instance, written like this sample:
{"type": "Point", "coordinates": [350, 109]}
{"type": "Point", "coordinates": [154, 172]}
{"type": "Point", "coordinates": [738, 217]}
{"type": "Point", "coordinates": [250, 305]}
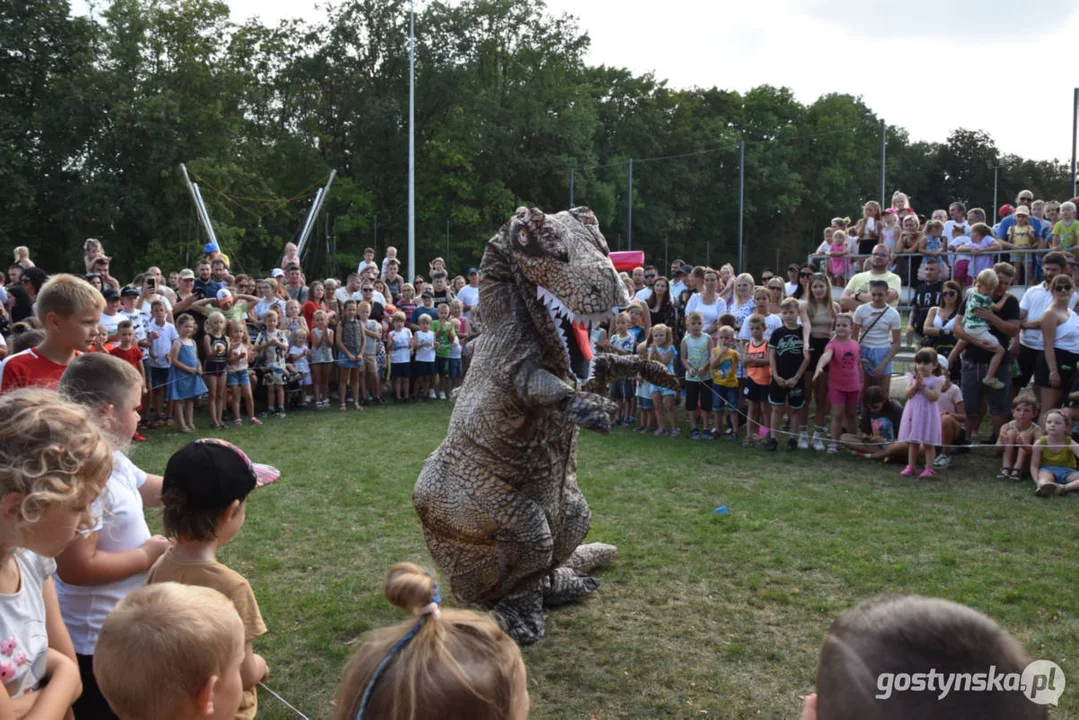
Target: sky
{"type": "Point", "coordinates": [929, 66]}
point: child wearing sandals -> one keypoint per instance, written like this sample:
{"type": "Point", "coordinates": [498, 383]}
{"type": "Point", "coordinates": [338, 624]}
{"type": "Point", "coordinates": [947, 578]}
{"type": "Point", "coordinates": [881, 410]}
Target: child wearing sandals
{"type": "Point", "coordinates": [665, 400]}
{"type": "Point", "coordinates": [920, 425]}
{"type": "Point", "coordinates": [1052, 462]}
{"type": "Point", "coordinates": [1018, 436]}
{"type": "Point", "coordinates": [441, 663]}
{"type": "Point", "coordinates": [238, 374]}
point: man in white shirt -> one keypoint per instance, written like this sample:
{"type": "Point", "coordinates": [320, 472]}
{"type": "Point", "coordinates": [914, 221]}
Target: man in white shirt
{"type": "Point", "coordinates": [857, 291]}
{"type": "Point", "coordinates": [1036, 300]}
{"type": "Point", "coordinates": [470, 294]}
{"type": "Point", "coordinates": [792, 279]}
{"type": "Point", "coordinates": [679, 270]}
{"type": "Point", "coordinates": [350, 289]}
{"type": "Point", "coordinates": [649, 275]}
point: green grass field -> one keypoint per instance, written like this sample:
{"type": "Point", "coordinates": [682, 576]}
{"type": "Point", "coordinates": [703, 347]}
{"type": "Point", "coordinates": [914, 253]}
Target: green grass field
{"type": "Point", "coordinates": [701, 614]}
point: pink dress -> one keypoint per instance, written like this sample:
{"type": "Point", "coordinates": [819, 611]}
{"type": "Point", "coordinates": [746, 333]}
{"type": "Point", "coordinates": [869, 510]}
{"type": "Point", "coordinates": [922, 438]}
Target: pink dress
{"type": "Point", "coordinates": [921, 416]}
{"type": "Point", "coordinates": [837, 264]}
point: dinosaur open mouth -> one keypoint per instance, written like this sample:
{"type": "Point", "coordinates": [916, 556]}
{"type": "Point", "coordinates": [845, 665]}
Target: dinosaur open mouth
{"type": "Point", "coordinates": [575, 332]}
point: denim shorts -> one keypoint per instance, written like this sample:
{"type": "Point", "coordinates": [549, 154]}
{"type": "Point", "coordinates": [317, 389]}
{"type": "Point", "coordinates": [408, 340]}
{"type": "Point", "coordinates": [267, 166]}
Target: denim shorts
{"type": "Point", "coordinates": [455, 371]}
{"type": "Point", "coordinates": [159, 378]}
{"type": "Point", "coordinates": [873, 358]}
{"type": "Point", "coordinates": [644, 403]}
{"type": "Point", "coordinates": [343, 361]}
{"type": "Point", "coordinates": [1060, 473]}
{"type": "Point", "coordinates": [238, 377]}
{"type": "Point", "coordinates": [726, 397]}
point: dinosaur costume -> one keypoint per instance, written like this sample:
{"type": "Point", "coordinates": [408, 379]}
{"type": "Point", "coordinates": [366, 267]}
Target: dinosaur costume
{"type": "Point", "coordinates": [501, 510]}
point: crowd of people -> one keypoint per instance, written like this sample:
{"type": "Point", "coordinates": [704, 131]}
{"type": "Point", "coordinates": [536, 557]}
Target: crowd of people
{"type": "Point", "coordinates": [86, 589]}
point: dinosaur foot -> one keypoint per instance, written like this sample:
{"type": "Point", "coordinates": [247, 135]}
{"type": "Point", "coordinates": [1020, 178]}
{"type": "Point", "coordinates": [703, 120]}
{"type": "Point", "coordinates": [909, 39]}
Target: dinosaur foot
{"type": "Point", "coordinates": [589, 556]}
{"type": "Point", "coordinates": [522, 617]}
{"type": "Point", "coordinates": [566, 585]}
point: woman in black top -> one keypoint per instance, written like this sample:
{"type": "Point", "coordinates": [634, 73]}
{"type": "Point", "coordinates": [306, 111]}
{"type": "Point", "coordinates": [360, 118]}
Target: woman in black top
{"type": "Point", "coordinates": [938, 325]}
{"type": "Point", "coordinates": [662, 308]}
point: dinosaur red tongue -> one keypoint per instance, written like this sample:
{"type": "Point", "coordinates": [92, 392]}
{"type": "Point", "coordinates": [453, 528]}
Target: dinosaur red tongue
{"type": "Point", "coordinates": [580, 335]}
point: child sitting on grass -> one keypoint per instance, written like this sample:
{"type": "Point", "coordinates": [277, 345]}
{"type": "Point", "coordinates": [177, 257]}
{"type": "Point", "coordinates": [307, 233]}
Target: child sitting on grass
{"type": "Point", "coordinates": [204, 492]}
{"type": "Point", "coordinates": [445, 664]}
{"type": "Point", "coordinates": [873, 646]}
{"type": "Point", "coordinates": [1018, 436]}
{"type": "Point", "coordinates": [1052, 462]}
{"type": "Point", "coordinates": [188, 645]}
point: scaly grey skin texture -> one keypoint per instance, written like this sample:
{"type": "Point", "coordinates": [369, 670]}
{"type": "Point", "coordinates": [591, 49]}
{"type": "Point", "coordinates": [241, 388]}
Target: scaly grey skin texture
{"type": "Point", "coordinates": [501, 510]}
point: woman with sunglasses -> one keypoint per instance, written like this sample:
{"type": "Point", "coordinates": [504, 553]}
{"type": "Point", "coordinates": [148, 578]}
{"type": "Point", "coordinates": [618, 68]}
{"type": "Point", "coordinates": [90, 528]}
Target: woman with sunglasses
{"type": "Point", "coordinates": [1056, 368]}
{"type": "Point", "coordinates": [938, 325]}
{"type": "Point", "coordinates": [804, 274]}
{"type": "Point", "coordinates": [775, 295]}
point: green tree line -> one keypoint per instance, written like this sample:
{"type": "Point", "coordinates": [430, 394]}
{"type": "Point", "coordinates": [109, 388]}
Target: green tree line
{"type": "Point", "coordinates": [98, 112]}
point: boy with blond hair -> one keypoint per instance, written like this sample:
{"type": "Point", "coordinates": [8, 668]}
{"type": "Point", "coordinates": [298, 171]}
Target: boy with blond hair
{"type": "Point", "coordinates": [69, 309]}
{"type": "Point", "coordinates": [187, 642]}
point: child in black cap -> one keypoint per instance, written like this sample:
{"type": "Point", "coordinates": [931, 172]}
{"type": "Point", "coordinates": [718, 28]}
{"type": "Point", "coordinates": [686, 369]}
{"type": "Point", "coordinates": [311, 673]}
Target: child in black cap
{"type": "Point", "coordinates": [204, 492]}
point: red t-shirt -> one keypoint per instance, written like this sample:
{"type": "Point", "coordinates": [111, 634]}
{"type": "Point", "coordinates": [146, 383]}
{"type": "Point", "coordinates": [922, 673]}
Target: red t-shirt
{"type": "Point", "coordinates": [132, 355]}
{"type": "Point", "coordinates": [29, 369]}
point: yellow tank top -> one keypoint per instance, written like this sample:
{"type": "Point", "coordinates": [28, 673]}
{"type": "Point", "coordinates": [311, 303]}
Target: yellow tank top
{"type": "Point", "coordinates": [1022, 236]}
{"type": "Point", "coordinates": [1062, 457]}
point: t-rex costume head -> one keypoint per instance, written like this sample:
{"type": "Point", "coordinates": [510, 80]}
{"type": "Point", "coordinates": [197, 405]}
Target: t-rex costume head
{"type": "Point", "coordinates": [499, 503]}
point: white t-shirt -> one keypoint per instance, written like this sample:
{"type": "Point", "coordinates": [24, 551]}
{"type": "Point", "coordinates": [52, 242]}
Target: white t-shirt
{"type": "Point", "coordinates": [771, 324]}
{"type": "Point", "coordinates": [644, 294]}
{"type": "Point", "coordinates": [676, 287]}
{"type": "Point", "coordinates": [425, 354]}
{"type": "Point", "coordinates": [162, 345]}
{"type": "Point", "coordinates": [121, 526]}
{"type": "Point", "coordinates": [790, 287]}
{"type": "Point", "coordinates": [376, 296]}
{"type": "Point", "coordinates": [22, 619]}
{"type": "Point", "coordinates": [263, 305]}
{"type": "Point", "coordinates": [469, 296]}
{"type": "Point", "coordinates": [342, 295]}
{"type": "Point", "coordinates": [710, 313]}
{"type": "Point", "coordinates": [880, 335]}
{"type": "Point", "coordinates": [147, 310]}
{"type": "Point", "coordinates": [400, 349]}
{"type": "Point", "coordinates": [364, 264]}
{"type": "Point", "coordinates": [1035, 301]}
{"type": "Point", "coordinates": [111, 321]}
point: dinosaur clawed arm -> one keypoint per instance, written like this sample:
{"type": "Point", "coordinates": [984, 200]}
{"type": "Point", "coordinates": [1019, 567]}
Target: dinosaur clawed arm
{"type": "Point", "coordinates": [609, 367]}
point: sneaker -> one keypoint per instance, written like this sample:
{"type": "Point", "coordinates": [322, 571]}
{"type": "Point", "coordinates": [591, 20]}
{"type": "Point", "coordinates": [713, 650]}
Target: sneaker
{"type": "Point", "coordinates": [281, 414]}
{"type": "Point", "coordinates": [661, 432]}
{"type": "Point", "coordinates": [832, 448]}
{"type": "Point", "coordinates": [803, 440]}
{"type": "Point", "coordinates": [676, 432]}
{"type": "Point", "coordinates": [264, 414]}
{"type": "Point", "coordinates": [431, 393]}
{"type": "Point", "coordinates": [771, 444]}
{"type": "Point", "coordinates": [694, 434]}
{"type": "Point", "coordinates": [818, 442]}
{"type": "Point", "coordinates": [908, 471]}
{"type": "Point", "coordinates": [942, 462]}
{"type": "Point", "coordinates": [793, 444]}
{"type": "Point", "coordinates": [441, 396]}
{"type": "Point", "coordinates": [993, 383]}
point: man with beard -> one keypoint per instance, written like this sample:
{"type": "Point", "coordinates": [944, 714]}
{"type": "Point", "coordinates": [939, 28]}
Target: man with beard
{"type": "Point", "coordinates": [857, 291]}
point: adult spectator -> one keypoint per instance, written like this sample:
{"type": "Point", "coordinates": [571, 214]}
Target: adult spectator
{"type": "Point", "coordinates": [805, 276]}
{"type": "Point", "coordinates": [694, 283]}
{"type": "Point", "coordinates": [876, 328]}
{"type": "Point", "coordinates": [1025, 197]}
{"type": "Point", "coordinates": [1004, 325]}
{"type": "Point", "coordinates": [741, 304]}
{"type": "Point", "coordinates": [13, 274]}
{"type": "Point", "coordinates": [375, 299]}
{"type": "Point", "coordinates": [393, 281]}
{"type": "Point", "coordinates": [32, 279]}
{"type": "Point", "coordinates": [219, 272]}
{"type": "Point", "coordinates": [957, 214]}
{"type": "Point", "coordinates": [100, 267]}
{"type": "Point", "coordinates": [20, 295]}
{"type": "Point", "coordinates": [637, 276]}
{"type": "Point", "coordinates": [470, 294]}
{"type": "Point", "coordinates": [162, 289]}
{"type": "Point", "coordinates": [151, 290]}
{"type": "Point", "coordinates": [679, 270]}
{"type": "Point", "coordinates": [351, 287]}
{"type": "Point", "coordinates": [650, 275]}
{"type": "Point", "coordinates": [766, 275]}
{"type": "Point", "coordinates": [1060, 332]}
{"type": "Point", "coordinates": [1035, 300]}
{"type": "Point", "coordinates": [213, 252]}
{"type": "Point", "coordinates": [926, 296]}
{"type": "Point", "coordinates": [938, 330]}
{"type": "Point", "coordinates": [791, 286]}
{"type": "Point", "coordinates": [707, 302]}
{"type": "Point", "coordinates": [204, 285]}
{"type": "Point", "coordinates": [857, 291]}
{"type": "Point", "coordinates": [294, 284]}
{"type": "Point", "coordinates": [662, 309]}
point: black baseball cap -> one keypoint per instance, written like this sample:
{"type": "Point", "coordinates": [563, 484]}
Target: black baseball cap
{"type": "Point", "coordinates": [129, 291]}
{"type": "Point", "coordinates": [687, 268]}
{"type": "Point", "coordinates": [212, 473]}
{"type": "Point", "coordinates": [473, 271]}
{"type": "Point", "coordinates": [110, 294]}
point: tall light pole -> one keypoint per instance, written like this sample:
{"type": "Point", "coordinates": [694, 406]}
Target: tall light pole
{"type": "Point", "coordinates": [1075, 133]}
{"type": "Point", "coordinates": [411, 139]}
{"type": "Point", "coordinates": [993, 212]}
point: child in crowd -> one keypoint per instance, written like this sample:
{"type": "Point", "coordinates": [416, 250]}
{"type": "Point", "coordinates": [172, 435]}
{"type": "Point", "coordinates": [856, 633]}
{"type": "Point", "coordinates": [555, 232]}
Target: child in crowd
{"type": "Point", "coordinates": [1052, 462]}
{"type": "Point", "coordinates": [1066, 232]}
{"type": "Point", "coordinates": [788, 361]}
{"type": "Point", "coordinates": [867, 230]}
{"type": "Point", "coordinates": [755, 358]}
{"type": "Point", "coordinates": [161, 334]}
{"type": "Point", "coordinates": [291, 256]}
{"type": "Point", "coordinates": [45, 496]}
{"type": "Point", "coordinates": [268, 300]}
{"type": "Point", "coordinates": [391, 254]}
{"type": "Point", "coordinates": [960, 265]}
{"type": "Point", "coordinates": [272, 345]}
{"type": "Point", "coordinates": [294, 319]}
{"type": "Point", "coordinates": [128, 296]}
{"type": "Point", "coordinates": [696, 356]}
{"type": "Point", "coordinates": [1022, 236]}
{"type": "Point", "coordinates": [1018, 436]}
{"type": "Point", "coordinates": [621, 342]}
{"type": "Point", "coordinates": [424, 345]}
{"type": "Point", "coordinates": [977, 328]}
{"type": "Point", "coordinates": [772, 321]}
{"type": "Point", "coordinates": [643, 395]}
{"type": "Point", "coordinates": [876, 328]}
{"type": "Point", "coordinates": [239, 376]}
{"type": "Point", "coordinates": [368, 261]}
{"type": "Point", "coordinates": [100, 340]}
{"type": "Point", "coordinates": [889, 230]}
{"type": "Point", "coordinates": [838, 264]}
{"type": "Point", "coordinates": [101, 566]}
{"type": "Point", "coordinates": [406, 303]}
{"type": "Point", "coordinates": [129, 351]}
{"type": "Point", "coordinates": [215, 347]}
{"type": "Point", "coordinates": [185, 375]}
{"type": "Point", "coordinates": [663, 351]}
{"type": "Point", "coordinates": [389, 677]}
{"type": "Point", "coordinates": [322, 343]}
{"type": "Point", "coordinates": [351, 340]}
{"type": "Point", "coordinates": [917, 636]}
{"type": "Point", "coordinates": [297, 363]}
{"type": "Point", "coordinates": [920, 425]}
{"type": "Point", "coordinates": [400, 343]}
{"type": "Point", "coordinates": [724, 367]}
{"type": "Point", "coordinates": [953, 418]}
{"type": "Point", "coordinates": [456, 371]}
{"type": "Point", "coordinates": [204, 492]}
{"type": "Point", "coordinates": [841, 362]}
{"type": "Point", "coordinates": [68, 308]}
{"type": "Point", "coordinates": [444, 339]}
{"type": "Point", "coordinates": [933, 245]}
{"type": "Point", "coordinates": [189, 642]}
